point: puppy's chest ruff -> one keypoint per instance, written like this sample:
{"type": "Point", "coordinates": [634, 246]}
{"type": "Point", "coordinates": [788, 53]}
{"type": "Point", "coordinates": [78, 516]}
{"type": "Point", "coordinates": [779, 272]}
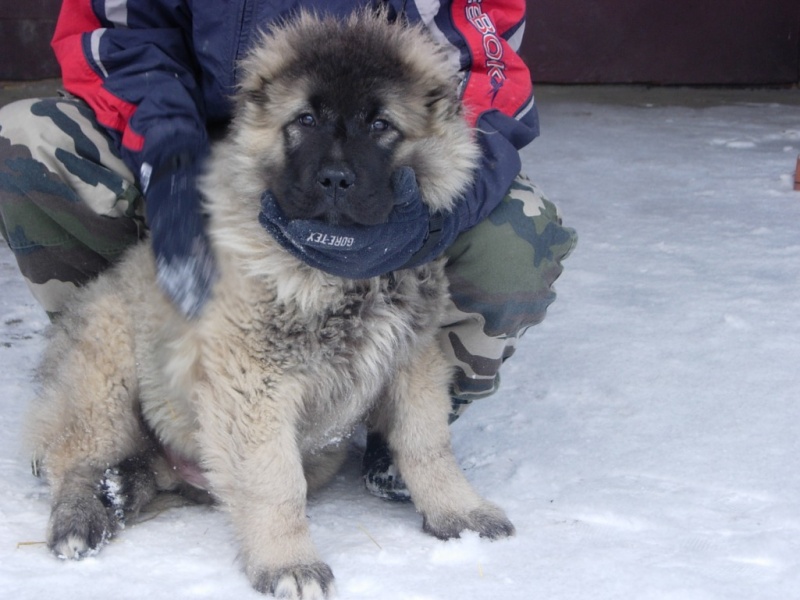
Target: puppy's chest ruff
{"type": "Point", "coordinates": [348, 354]}
{"type": "Point", "coordinates": [383, 319]}
{"type": "Point", "coordinates": [327, 361]}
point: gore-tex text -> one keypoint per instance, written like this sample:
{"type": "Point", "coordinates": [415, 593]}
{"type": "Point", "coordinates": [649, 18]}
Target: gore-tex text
{"type": "Point", "coordinates": [335, 241]}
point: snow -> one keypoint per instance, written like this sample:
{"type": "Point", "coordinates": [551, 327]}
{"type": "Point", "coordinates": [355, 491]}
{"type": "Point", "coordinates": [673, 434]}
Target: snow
{"type": "Point", "coordinates": [645, 439]}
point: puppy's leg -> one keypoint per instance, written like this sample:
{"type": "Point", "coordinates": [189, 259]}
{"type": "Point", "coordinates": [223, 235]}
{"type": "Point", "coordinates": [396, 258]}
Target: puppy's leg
{"type": "Point", "coordinates": [93, 504]}
{"type": "Point", "coordinates": [419, 438]}
{"type": "Point", "coordinates": [83, 425]}
{"type": "Point", "coordinates": [256, 470]}
{"type": "Point", "coordinates": [321, 466]}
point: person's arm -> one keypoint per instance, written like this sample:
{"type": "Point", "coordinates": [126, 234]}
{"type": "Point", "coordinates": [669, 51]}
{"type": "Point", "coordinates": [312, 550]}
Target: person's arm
{"type": "Point", "coordinates": [484, 38]}
{"type": "Point", "coordinates": [137, 72]}
{"type": "Point", "coordinates": [135, 68]}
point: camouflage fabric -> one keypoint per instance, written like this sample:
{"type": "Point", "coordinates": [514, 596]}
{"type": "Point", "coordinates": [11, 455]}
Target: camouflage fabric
{"type": "Point", "coordinates": [501, 274]}
{"type": "Point", "coordinates": [69, 207]}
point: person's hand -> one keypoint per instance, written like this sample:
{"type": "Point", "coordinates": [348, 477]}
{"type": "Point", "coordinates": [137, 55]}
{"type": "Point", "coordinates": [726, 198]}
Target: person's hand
{"type": "Point", "coordinates": [410, 237]}
{"type": "Point", "coordinates": [185, 265]}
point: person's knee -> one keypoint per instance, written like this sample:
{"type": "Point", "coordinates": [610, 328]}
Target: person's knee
{"type": "Point", "coordinates": [508, 263]}
{"type": "Point", "coordinates": [526, 233]}
{"type": "Point", "coordinates": [14, 160]}
{"type": "Point", "coordinates": [14, 111]}
{"type": "Point", "coordinates": [24, 152]}
{"type": "Point", "coordinates": [16, 124]}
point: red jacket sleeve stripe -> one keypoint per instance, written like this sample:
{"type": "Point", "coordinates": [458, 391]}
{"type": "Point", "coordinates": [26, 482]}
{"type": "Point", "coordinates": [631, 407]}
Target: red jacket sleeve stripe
{"type": "Point", "coordinates": [77, 20]}
{"type": "Point", "coordinates": [498, 79]}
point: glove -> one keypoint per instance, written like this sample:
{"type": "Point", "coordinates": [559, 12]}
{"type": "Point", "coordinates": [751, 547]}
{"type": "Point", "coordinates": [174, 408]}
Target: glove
{"type": "Point", "coordinates": [410, 237]}
{"type": "Point", "coordinates": [185, 266]}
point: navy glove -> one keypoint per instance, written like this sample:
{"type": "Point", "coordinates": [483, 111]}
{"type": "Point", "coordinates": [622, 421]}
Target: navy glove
{"type": "Point", "coordinates": [411, 236]}
{"type": "Point", "coordinates": [185, 266]}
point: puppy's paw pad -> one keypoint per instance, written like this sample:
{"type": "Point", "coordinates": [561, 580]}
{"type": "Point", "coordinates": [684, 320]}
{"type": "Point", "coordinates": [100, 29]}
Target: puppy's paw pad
{"type": "Point", "coordinates": [300, 582]}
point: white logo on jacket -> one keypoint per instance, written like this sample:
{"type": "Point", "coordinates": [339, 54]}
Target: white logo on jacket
{"type": "Point", "coordinates": [336, 241]}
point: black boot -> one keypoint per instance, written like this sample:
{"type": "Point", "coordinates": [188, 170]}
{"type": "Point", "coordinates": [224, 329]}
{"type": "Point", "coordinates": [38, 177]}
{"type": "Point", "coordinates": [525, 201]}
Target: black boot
{"type": "Point", "coordinates": [381, 476]}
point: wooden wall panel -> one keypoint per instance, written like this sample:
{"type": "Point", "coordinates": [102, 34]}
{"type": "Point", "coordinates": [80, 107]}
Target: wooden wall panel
{"type": "Point", "coordinates": [26, 27]}
{"type": "Point", "coordinates": [742, 42]}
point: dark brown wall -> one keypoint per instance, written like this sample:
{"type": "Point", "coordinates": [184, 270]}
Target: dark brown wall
{"type": "Point", "coordinates": [664, 41]}
{"type": "Point", "coordinates": [567, 41]}
{"type": "Point", "coordinates": [26, 27]}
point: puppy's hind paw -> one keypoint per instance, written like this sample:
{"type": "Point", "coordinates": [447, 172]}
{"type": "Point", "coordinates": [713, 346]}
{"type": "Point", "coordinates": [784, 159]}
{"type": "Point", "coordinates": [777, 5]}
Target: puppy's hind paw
{"type": "Point", "coordinates": [79, 528]}
{"type": "Point", "coordinates": [300, 582]}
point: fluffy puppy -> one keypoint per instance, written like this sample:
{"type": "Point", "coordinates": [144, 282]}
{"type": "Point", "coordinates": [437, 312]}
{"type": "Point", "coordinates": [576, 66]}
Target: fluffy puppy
{"type": "Point", "coordinates": [255, 399]}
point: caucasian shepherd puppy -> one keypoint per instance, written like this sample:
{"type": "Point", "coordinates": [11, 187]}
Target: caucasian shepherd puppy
{"type": "Point", "coordinates": [253, 400]}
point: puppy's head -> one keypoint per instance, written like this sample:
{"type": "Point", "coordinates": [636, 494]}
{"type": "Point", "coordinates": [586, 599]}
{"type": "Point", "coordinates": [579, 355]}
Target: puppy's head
{"type": "Point", "coordinates": [329, 109]}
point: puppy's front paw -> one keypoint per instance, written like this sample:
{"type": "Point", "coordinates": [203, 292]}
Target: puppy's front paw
{"type": "Point", "coordinates": [79, 527]}
{"type": "Point", "coordinates": [488, 520]}
{"type": "Point", "coordinates": [300, 582]}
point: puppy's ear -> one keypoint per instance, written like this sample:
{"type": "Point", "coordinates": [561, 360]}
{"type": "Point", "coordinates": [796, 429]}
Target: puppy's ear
{"type": "Point", "coordinates": [442, 103]}
{"type": "Point", "coordinates": [254, 91]}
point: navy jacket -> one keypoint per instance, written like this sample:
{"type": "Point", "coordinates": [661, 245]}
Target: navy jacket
{"type": "Point", "coordinates": [158, 72]}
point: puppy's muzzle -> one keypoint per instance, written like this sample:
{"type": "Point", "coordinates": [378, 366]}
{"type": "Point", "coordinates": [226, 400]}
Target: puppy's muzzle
{"type": "Point", "coordinates": [336, 182]}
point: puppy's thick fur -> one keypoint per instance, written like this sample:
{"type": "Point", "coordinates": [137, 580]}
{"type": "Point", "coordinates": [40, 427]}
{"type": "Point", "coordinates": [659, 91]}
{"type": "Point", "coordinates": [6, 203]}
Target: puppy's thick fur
{"type": "Point", "coordinates": [253, 400]}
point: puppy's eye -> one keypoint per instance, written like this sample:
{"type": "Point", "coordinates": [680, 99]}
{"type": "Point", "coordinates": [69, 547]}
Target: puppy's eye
{"type": "Point", "coordinates": [307, 120]}
{"type": "Point", "coordinates": [380, 125]}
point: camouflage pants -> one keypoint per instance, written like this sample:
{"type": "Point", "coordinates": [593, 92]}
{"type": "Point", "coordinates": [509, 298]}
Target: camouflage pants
{"type": "Point", "coordinates": [69, 207]}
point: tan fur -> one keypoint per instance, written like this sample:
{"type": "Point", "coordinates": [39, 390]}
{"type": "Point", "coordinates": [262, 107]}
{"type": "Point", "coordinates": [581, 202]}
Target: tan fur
{"type": "Point", "coordinates": [284, 361]}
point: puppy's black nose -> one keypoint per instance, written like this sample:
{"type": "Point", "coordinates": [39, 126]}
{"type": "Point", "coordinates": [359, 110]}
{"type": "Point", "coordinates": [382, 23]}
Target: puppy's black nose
{"type": "Point", "coordinates": [336, 179]}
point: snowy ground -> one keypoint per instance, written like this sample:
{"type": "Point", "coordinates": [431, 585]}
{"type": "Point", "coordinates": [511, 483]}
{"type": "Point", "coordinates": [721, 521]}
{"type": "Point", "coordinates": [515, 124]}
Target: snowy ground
{"type": "Point", "coordinates": [645, 440]}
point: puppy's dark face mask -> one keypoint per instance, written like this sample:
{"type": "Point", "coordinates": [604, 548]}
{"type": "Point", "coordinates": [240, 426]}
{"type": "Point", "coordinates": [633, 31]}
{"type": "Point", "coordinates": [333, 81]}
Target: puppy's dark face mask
{"type": "Point", "coordinates": [339, 161]}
